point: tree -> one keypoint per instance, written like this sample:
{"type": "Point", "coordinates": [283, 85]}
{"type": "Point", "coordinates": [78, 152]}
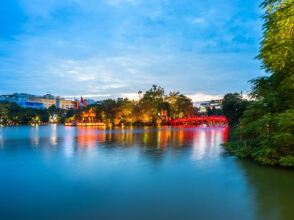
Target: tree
{"type": "Point", "coordinates": [152, 101]}
{"type": "Point", "coordinates": [4, 113]}
{"type": "Point", "coordinates": [267, 126]}
{"type": "Point", "coordinates": [152, 108]}
{"type": "Point", "coordinates": [180, 105]}
{"type": "Point", "coordinates": [233, 107]}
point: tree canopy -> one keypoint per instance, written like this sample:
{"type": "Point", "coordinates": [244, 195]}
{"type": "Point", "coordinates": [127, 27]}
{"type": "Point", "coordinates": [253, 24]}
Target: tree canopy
{"type": "Point", "coordinates": [233, 107]}
{"type": "Point", "coordinates": [267, 127]}
{"type": "Point", "coordinates": [154, 107]}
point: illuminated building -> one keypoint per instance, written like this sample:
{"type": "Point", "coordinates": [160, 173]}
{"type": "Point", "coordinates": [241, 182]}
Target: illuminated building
{"type": "Point", "coordinates": [58, 102]}
{"type": "Point", "coordinates": [88, 119]}
{"type": "Point", "coordinates": [88, 116]}
{"type": "Point", "coordinates": [204, 106]}
{"type": "Point", "coordinates": [46, 102]}
{"type": "Point", "coordinates": [82, 103]}
{"type": "Point", "coordinates": [66, 104]}
{"type": "Point", "coordinates": [31, 104]}
{"type": "Point", "coordinates": [40, 102]}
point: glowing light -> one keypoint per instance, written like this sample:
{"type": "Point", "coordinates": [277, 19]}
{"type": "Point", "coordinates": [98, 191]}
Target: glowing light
{"type": "Point", "coordinates": [53, 137]}
{"type": "Point", "coordinates": [35, 136]}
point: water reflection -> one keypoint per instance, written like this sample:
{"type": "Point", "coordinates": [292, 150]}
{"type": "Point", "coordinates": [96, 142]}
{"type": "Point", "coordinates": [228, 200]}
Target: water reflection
{"type": "Point", "coordinates": [273, 190]}
{"type": "Point", "coordinates": [53, 135]}
{"type": "Point", "coordinates": [202, 141]}
{"type": "Point", "coordinates": [158, 138]}
{"type": "Point", "coordinates": [164, 173]}
{"type": "Point", "coordinates": [35, 135]}
{"type": "Point", "coordinates": [206, 142]}
{"type": "Point", "coordinates": [69, 142]}
{"type": "Point", "coordinates": [89, 137]}
{"type": "Point", "coordinates": [1, 138]}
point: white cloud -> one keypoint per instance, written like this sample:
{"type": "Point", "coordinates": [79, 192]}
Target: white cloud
{"type": "Point", "coordinates": [92, 96]}
{"type": "Point", "coordinates": [199, 20]}
{"type": "Point", "coordinates": [131, 96]}
{"type": "Point", "coordinates": [200, 97]}
{"type": "Point", "coordinates": [88, 47]}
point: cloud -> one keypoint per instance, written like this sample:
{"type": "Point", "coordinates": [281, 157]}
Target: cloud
{"type": "Point", "coordinates": [199, 20]}
{"type": "Point", "coordinates": [131, 96]}
{"type": "Point", "coordinates": [200, 97]}
{"type": "Point", "coordinates": [73, 47]}
{"type": "Point", "coordinates": [91, 96]}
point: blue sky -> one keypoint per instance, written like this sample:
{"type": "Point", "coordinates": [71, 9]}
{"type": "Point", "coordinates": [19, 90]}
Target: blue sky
{"type": "Point", "coordinates": [111, 48]}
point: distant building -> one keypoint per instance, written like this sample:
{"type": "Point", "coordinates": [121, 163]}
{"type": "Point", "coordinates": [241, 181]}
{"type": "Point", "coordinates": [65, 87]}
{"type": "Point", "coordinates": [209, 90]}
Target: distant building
{"type": "Point", "coordinates": [46, 102]}
{"type": "Point", "coordinates": [217, 104]}
{"type": "Point", "coordinates": [58, 102]}
{"type": "Point", "coordinates": [31, 104]}
{"type": "Point", "coordinates": [21, 97]}
{"type": "Point", "coordinates": [49, 100]}
{"type": "Point", "coordinates": [82, 103]}
{"type": "Point", "coordinates": [40, 102]}
{"type": "Point", "coordinates": [67, 104]}
{"type": "Point", "coordinates": [203, 107]}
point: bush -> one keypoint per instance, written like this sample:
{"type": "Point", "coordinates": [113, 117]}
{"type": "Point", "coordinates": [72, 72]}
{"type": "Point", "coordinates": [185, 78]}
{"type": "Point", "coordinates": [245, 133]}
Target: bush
{"type": "Point", "coordinates": [287, 161]}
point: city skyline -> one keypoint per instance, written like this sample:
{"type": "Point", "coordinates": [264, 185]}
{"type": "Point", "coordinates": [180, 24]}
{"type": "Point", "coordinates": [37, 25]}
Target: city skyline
{"type": "Point", "coordinates": [114, 48]}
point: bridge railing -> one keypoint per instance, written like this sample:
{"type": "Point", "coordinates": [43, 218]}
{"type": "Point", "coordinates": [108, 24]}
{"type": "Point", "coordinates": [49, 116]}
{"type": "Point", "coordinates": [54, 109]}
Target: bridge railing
{"type": "Point", "coordinates": [219, 121]}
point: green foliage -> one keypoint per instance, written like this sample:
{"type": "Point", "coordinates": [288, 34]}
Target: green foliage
{"type": "Point", "coordinates": [238, 148]}
{"type": "Point", "coordinates": [179, 105]}
{"type": "Point", "coordinates": [287, 161]}
{"type": "Point", "coordinates": [153, 108]}
{"type": "Point", "coordinates": [59, 114]}
{"type": "Point", "coordinates": [267, 126]}
{"type": "Point", "coordinates": [233, 107]}
{"type": "Point", "coordinates": [12, 114]}
{"type": "Point", "coordinates": [277, 46]}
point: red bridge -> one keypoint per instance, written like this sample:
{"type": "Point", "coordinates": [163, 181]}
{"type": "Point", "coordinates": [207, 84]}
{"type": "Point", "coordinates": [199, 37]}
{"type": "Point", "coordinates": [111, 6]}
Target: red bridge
{"type": "Point", "coordinates": [208, 121]}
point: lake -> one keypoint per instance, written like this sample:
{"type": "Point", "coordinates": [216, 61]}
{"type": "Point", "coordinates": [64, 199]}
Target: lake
{"type": "Point", "coordinates": [57, 172]}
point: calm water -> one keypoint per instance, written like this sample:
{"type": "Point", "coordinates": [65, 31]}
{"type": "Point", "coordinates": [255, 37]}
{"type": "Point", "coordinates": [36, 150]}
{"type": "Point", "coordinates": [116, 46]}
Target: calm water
{"type": "Point", "coordinates": [56, 172]}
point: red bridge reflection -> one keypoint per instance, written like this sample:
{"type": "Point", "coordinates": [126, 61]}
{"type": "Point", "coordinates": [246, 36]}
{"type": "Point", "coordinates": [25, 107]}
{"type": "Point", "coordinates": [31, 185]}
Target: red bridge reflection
{"type": "Point", "coordinates": [198, 121]}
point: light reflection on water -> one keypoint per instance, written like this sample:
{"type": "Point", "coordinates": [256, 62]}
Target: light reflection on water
{"type": "Point", "coordinates": [68, 144]}
{"type": "Point", "coordinates": [35, 135]}
{"type": "Point", "coordinates": [202, 139]}
{"type": "Point", "coordinates": [53, 135]}
{"type": "Point", "coordinates": [56, 172]}
{"type": "Point", "coordinates": [1, 138]}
